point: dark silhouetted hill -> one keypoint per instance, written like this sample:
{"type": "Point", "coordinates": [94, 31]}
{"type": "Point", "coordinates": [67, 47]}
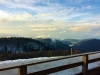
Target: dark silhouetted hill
{"type": "Point", "coordinates": [55, 44]}
{"type": "Point", "coordinates": [88, 45]}
{"type": "Point", "coordinates": [66, 42]}
{"type": "Point", "coordinates": [72, 40]}
{"type": "Point", "coordinates": [21, 44]}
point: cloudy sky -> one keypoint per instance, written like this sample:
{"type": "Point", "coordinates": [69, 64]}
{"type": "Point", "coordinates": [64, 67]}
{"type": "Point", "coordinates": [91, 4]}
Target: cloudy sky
{"type": "Point", "coordinates": [50, 18]}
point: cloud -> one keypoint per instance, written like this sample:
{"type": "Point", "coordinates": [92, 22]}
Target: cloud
{"type": "Point", "coordinates": [24, 16]}
{"type": "Point", "coordinates": [4, 14]}
{"type": "Point", "coordinates": [96, 34]}
{"type": "Point", "coordinates": [6, 17]}
{"type": "Point", "coordinates": [79, 28]}
{"type": "Point", "coordinates": [63, 31]}
{"type": "Point", "coordinates": [92, 30]}
{"type": "Point", "coordinates": [10, 35]}
{"type": "Point", "coordinates": [42, 36]}
{"type": "Point", "coordinates": [2, 20]}
{"type": "Point", "coordinates": [45, 15]}
{"type": "Point", "coordinates": [43, 29]}
{"type": "Point", "coordinates": [42, 12]}
{"type": "Point", "coordinates": [75, 1]}
{"type": "Point", "coordinates": [87, 7]}
{"type": "Point", "coordinates": [32, 17]}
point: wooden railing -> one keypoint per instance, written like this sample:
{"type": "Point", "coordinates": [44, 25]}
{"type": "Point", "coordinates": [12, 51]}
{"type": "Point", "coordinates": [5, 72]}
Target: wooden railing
{"type": "Point", "coordinates": [22, 69]}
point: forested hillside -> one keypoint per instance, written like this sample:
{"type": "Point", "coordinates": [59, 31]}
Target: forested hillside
{"type": "Point", "coordinates": [88, 45]}
{"type": "Point", "coordinates": [21, 48]}
{"type": "Point", "coordinates": [21, 44]}
{"type": "Point", "coordinates": [55, 44]}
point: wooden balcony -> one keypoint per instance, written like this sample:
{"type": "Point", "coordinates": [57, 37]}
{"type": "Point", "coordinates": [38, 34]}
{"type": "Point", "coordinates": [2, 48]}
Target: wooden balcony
{"type": "Point", "coordinates": [22, 69]}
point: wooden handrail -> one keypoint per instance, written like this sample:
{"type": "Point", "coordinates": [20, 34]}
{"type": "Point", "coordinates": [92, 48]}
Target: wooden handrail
{"type": "Point", "coordinates": [22, 69]}
{"type": "Point", "coordinates": [56, 69]}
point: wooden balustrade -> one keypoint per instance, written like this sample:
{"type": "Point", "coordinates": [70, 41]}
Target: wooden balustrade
{"type": "Point", "coordinates": [22, 69]}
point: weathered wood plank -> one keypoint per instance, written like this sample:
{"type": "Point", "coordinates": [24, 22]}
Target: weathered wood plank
{"type": "Point", "coordinates": [93, 60]}
{"type": "Point", "coordinates": [56, 69]}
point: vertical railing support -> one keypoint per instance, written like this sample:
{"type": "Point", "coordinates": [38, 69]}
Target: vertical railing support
{"type": "Point", "coordinates": [85, 65]}
{"type": "Point", "coordinates": [71, 51]}
{"type": "Point", "coordinates": [22, 70]}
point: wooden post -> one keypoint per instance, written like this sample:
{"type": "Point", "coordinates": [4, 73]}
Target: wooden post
{"type": "Point", "coordinates": [22, 70]}
{"type": "Point", "coordinates": [85, 65]}
{"type": "Point", "coordinates": [71, 51]}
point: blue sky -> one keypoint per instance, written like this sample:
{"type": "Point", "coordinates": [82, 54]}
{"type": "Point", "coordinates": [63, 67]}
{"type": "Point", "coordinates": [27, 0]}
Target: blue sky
{"type": "Point", "coordinates": [50, 18]}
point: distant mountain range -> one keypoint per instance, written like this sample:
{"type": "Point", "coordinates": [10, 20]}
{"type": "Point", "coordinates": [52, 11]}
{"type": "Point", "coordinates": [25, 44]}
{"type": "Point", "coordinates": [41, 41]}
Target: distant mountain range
{"type": "Point", "coordinates": [55, 44]}
{"type": "Point", "coordinates": [18, 45]}
{"type": "Point", "coordinates": [21, 44]}
{"type": "Point", "coordinates": [72, 40]}
{"type": "Point", "coordinates": [88, 45]}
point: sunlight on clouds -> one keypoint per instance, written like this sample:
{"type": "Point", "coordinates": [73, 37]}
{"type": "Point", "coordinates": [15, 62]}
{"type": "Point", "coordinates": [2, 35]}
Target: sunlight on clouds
{"type": "Point", "coordinates": [97, 34]}
{"type": "Point", "coordinates": [6, 17]}
{"type": "Point", "coordinates": [31, 17]}
{"type": "Point", "coordinates": [4, 14]}
{"type": "Point", "coordinates": [39, 25]}
{"type": "Point", "coordinates": [63, 32]}
{"type": "Point", "coordinates": [21, 17]}
{"type": "Point", "coordinates": [45, 15]}
{"type": "Point", "coordinates": [43, 29]}
{"type": "Point", "coordinates": [42, 36]}
{"type": "Point", "coordinates": [11, 31]}
{"type": "Point", "coordinates": [80, 28]}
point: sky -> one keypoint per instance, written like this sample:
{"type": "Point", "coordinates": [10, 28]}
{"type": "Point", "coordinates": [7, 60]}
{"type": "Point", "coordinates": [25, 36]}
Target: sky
{"type": "Point", "coordinates": [59, 19]}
